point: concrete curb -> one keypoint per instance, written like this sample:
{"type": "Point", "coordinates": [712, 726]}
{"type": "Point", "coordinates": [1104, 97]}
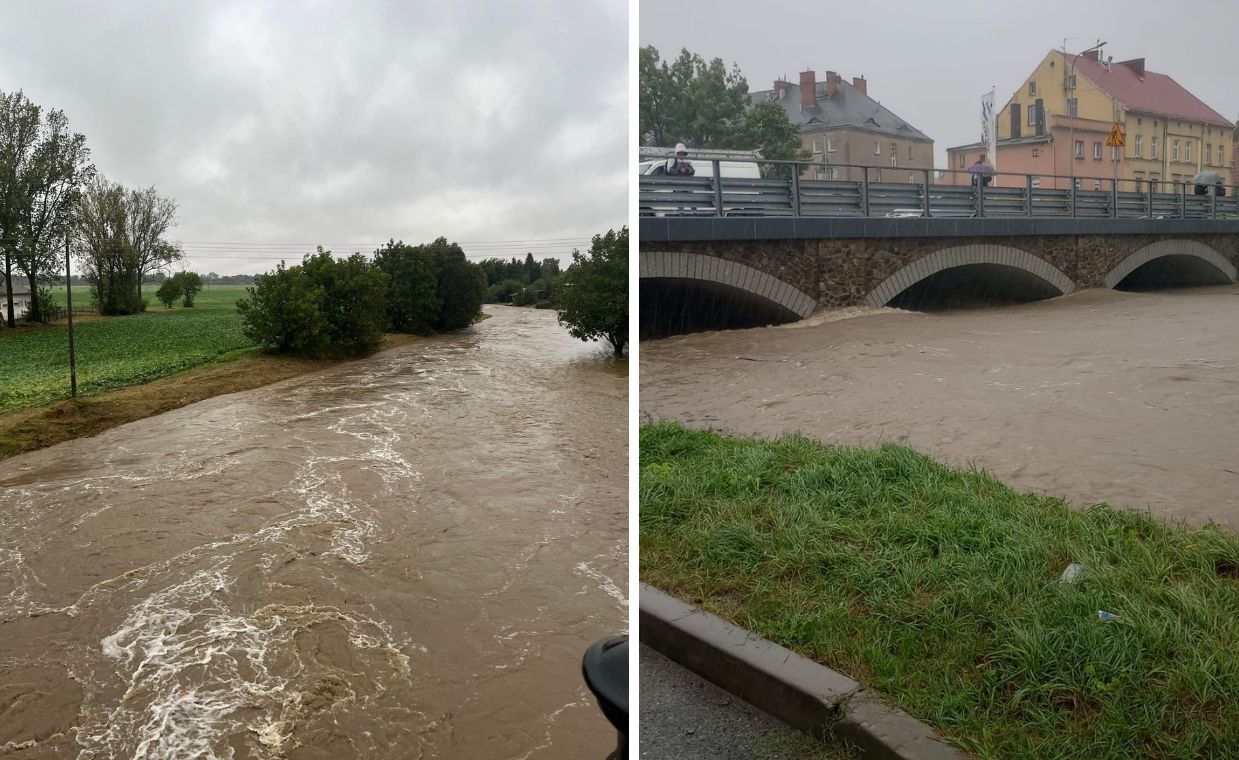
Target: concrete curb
{"type": "Point", "coordinates": [798, 691]}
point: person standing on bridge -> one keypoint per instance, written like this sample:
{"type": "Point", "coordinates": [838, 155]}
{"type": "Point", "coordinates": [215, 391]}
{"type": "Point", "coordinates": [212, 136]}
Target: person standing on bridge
{"type": "Point", "coordinates": [981, 171]}
{"type": "Point", "coordinates": [679, 165]}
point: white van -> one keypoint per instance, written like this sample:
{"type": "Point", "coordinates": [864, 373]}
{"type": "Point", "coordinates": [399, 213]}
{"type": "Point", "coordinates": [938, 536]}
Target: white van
{"type": "Point", "coordinates": [705, 168]}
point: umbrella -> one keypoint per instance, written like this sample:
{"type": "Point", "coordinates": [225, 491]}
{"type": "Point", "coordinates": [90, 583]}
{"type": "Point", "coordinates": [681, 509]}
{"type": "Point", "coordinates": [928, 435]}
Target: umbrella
{"type": "Point", "coordinates": [980, 169]}
{"type": "Point", "coordinates": [1207, 178]}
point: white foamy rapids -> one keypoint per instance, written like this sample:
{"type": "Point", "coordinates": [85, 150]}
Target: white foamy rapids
{"type": "Point", "coordinates": [185, 628]}
{"type": "Point", "coordinates": [602, 582]}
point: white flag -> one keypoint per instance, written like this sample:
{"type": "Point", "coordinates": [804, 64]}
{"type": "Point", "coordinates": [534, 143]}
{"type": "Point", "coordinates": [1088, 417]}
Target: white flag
{"type": "Point", "coordinates": [989, 128]}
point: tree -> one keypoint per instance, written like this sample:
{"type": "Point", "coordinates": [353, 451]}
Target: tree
{"type": "Point", "coordinates": [168, 292]}
{"type": "Point", "coordinates": [42, 166]}
{"type": "Point", "coordinates": [354, 300]}
{"type": "Point", "coordinates": [148, 217]}
{"type": "Point", "coordinates": [282, 312]}
{"type": "Point", "coordinates": [103, 250]}
{"type": "Point", "coordinates": [533, 270]}
{"type": "Point", "coordinates": [461, 285]}
{"type": "Point", "coordinates": [190, 284]}
{"type": "Point", "coordinates": [591, 297]}
{"type": "Point", "coordinates": [121, 238]}
{"type": "Point", "coordinates": [700, 103]}
{"type": "Point", "coordinates": [413, 302]}
{"type": "Point", "coordinates": [707, 106]}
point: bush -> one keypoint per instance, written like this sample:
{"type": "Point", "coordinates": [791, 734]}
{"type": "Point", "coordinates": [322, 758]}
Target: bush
{"type": "Point", "coordinates": [282, 313]}
{"type": "Point", "coordinates": [190, 284]}
{"type": "Point", "coordinates": [413, 303]}
{"type": "Point", "coordinates": [503, 292]}
{"type": "Point", "coordinates": [461, 286]}
{"type": "Point", "coordinates": [592, 296]}
{"type": "Point", "coordinates": [49, 310]}
{"type": "Point", "coordinates": [168, 292]}
{"type": "Point", "coordinates": [354, 301]}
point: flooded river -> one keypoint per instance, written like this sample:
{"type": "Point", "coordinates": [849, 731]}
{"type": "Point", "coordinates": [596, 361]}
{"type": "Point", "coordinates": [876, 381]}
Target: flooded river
{"type": "Point", "coordinates": [403, 556]}
{"type": "Point", "coordinates": [1102, 396]}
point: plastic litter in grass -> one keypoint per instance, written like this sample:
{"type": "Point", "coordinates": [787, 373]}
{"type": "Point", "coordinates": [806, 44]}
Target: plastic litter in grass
{"type": "Point", "coordinates": [1071, 572]}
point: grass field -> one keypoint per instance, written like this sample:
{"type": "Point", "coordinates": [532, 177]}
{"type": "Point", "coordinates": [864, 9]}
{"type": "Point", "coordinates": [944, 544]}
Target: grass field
{"type": "Point", "coordinates": [119, 351]}
{"type": "Point", "coordinates": [942, 590]}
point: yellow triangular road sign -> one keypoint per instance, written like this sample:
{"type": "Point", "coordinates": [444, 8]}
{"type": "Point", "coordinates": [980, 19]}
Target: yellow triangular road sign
{"type": "Point", "coordinates": [1116, 139]}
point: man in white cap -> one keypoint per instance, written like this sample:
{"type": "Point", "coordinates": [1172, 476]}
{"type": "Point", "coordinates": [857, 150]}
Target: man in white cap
{"type": "Point", "coordinates": [679, 165]}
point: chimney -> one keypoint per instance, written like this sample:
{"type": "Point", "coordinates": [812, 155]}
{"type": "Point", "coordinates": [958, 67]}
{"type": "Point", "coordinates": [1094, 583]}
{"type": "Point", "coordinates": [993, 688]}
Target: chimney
{"type": "Point", "coordinates": [1136, 65]}
{"type": "Point", "coordinates": [780, 89]}
{"type": "Point", "coordinates": [1092, 55]}
{"type": "Point", "coordinates": [832, 83]}
{"type": "Point", "coordinates": [860, 84]}
{"type": "Point", "coordinates": [808, 90]}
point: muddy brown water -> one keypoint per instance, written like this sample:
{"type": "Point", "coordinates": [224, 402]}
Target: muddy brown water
{"type": "Point", "coordinates": [403, 556]}
{"type": "Point", "coordinates": [1102, 396]}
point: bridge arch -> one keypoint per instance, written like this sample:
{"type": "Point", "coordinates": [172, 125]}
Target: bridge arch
{"type": "Point", "coordinates": [1199, 263]}
{"type": "Point", "coordinates": [1040, 277]}
{"type": "Point", "coordinates": [733, 274]}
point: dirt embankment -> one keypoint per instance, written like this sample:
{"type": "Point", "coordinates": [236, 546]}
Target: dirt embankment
{"type": "Point", "coordinates": [31, 429]}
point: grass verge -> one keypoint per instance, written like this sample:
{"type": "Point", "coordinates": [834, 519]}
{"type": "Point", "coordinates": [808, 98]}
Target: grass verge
{"type": "Point", "coordinates": [31, 429]}
{"type": "Point", "coordinates": [941, 590]}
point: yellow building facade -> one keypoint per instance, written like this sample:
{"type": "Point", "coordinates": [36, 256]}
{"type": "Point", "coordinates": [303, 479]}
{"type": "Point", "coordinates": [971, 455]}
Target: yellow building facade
{"type": "Point", "coordinates": [1170, 134]}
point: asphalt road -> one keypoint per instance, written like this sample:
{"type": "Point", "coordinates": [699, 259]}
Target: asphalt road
{"type": "Point", "coordinates": [686, 718]}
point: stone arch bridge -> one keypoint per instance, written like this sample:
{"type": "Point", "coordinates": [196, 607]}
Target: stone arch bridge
{"type": "Point", "coordinates": [788, 273]}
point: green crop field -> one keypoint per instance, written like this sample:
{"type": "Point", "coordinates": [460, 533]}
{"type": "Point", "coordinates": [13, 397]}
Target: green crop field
{"type": "Point", "coordinates": [119, 351]}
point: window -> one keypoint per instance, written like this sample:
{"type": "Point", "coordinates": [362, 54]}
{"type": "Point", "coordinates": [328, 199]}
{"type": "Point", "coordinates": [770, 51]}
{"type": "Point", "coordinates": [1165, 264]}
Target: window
{"type": "Point", "coordinates": [1071, 82]}
{"type": "Point", "coordinates": [1096, 151]}
{"type": "Point", "coordinates": [894, 149]}
{"type": "Point", "coordinates": [1174, 150]}
{"type": "Point", "coordinates": [1032, 114]}
{"type": "Point", "coordinates": [1032, 89]}
{"type": "Point", "coordinates": [817, 146]}
{"type": "Point", "coordinates": [1208, 154]}
{"type": "Point", "coordinates": [826, 172]}
{"type": "Point", "coordinates": [894, 159]}
{"type": "Point", "coordinates": [830, 145]}
{"type": "Point", "coordinates": [1079, 184]}
{"type": "Point", "coordinates": [910, 155]}
{"type": "Point", "coordinates": [961, 160]}
{"type": "Point", "coordinates": [1079, 149]}
{"type": "Point", "coordinates": [1220, 160]}
{"type": "Point", "coordinates": [1073, 107]}
{"type": "Point", "coordinates": [1097, 184]}
{"type": "Point", "coordinates": [1153, 148]}
{"type": "Point", "coordinates": [1035, 181]}
{"type": "Point", "coordinates": [1036, 152]}
{"type": "Point", "coordinates": [877, 147]}
{"type": "Point", "coordinates": [1188, 158]}
{"type": "Point", "coordinates": [912, 180]}
{"type": "Point", "coordinates": [1139, 147]}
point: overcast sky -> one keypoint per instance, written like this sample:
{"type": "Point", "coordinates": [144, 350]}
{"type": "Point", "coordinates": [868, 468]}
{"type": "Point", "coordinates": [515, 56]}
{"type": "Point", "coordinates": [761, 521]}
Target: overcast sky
{"type": "Point", "coordinates": [344, 122]}
{"type": "Point", "coordinates": [930, 61]}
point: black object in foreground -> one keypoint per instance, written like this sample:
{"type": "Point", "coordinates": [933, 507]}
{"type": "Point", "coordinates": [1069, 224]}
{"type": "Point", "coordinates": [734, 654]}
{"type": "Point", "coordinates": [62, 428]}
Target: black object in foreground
{"type": "Point", "coordinates": [605, 668]}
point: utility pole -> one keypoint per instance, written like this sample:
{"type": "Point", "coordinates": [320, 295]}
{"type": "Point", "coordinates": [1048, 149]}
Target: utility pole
{"type": "Point", "coordinates": [69, 304]}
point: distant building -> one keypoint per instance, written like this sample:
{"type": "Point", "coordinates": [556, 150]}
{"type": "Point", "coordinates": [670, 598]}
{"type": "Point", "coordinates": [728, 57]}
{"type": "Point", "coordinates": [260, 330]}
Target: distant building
{"type": "Point", "coordinates": [1058, 120]}
{"type": "Point", "coordinates": [21, 300]}
{"type": "Point", "coordinates": [840, 124]}
{"type": "Point", "coordinates": [1234, 146]}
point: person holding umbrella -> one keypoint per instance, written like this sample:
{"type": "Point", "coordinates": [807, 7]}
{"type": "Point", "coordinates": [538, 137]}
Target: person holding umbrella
{"type": "Point", "coordinates": [1203, 180]}
{"type": "Point", "coordinates": [982, 172]}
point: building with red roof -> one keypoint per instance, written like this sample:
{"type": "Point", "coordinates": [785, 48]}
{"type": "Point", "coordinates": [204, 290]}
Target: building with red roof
{"type": "Point", "coordinates": [1056, 126]}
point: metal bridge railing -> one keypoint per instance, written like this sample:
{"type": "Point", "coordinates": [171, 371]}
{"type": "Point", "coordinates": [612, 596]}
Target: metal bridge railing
{"type": "Point", "coordinates": [804, 189]}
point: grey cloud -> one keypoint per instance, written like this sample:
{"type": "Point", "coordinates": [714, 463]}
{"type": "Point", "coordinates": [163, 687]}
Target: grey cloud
{"type": "Point", "coordinates": [345, 122]}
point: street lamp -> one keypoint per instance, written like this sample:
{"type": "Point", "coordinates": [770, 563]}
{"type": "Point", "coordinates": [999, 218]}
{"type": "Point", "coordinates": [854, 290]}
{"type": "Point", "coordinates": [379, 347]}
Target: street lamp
{"type": "Point", "coordinates": [1069, 85]}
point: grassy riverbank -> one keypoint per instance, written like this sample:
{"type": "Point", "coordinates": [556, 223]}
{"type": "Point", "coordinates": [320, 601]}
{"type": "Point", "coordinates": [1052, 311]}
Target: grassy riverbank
{"type": "Point", "coordinates": [30, 429]}
{"type": "Point", "coordinates": [116, 352]}
{"type": "Point", "coordinates": [940, 589]}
